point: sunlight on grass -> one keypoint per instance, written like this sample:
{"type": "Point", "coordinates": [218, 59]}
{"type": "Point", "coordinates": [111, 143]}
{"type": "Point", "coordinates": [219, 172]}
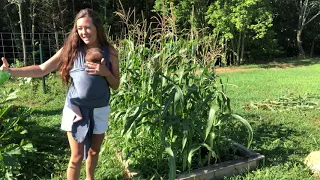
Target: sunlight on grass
{"type": "Point", "coordinates": [261, 84]}
{"type": "Point", "coordinates": [285, 138]}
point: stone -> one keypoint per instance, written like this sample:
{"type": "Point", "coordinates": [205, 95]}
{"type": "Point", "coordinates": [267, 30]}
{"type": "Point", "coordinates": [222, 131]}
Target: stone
{"type": "Point", "coordinates": [313, 162]}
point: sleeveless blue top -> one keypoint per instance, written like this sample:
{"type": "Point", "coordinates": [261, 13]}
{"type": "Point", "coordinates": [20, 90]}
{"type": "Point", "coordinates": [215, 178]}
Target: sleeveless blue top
{"type": "Point", "coordinates": [87, 92]}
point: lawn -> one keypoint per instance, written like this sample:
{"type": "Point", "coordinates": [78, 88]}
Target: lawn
{"type": "Point", "coordinates": [285, 137]}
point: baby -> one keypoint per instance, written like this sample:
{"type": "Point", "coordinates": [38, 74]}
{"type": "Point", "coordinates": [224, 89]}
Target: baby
{"type": "Point", "coordinates": [93, 55]}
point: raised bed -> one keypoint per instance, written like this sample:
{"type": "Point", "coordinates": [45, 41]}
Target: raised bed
{"type": "Point", "coordinates": [250, 161]}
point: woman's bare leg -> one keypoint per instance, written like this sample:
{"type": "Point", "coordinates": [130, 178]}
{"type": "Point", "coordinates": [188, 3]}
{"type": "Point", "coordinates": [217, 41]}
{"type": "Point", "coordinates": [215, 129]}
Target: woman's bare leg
{"type": "Point", "coordinates": [74, 167]}
{"type": "Point", "coordinates": [93, 155]}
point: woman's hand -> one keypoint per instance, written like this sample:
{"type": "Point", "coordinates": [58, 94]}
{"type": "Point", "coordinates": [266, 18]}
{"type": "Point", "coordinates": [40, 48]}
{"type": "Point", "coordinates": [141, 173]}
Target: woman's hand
{"type": "Point", "coordinates": [98, 69]}
{"type": "Point", "coordinates": [112, 75]}
{"type": "Point", "coordinates": [5, 65]}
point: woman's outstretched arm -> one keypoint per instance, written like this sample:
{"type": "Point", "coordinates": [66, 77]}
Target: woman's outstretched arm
{"type": "Point", "coordinates": [34, 70]}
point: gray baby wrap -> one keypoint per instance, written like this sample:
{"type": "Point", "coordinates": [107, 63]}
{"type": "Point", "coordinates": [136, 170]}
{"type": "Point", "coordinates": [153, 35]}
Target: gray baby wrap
{"type": "Point", "coordinates": [87, 92]}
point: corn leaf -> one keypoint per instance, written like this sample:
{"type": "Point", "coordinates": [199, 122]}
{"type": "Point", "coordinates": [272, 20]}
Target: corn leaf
{"type": "Point", "coordinates": [247, 125]}
{"type": "Point", "coordinates": [210, 122]}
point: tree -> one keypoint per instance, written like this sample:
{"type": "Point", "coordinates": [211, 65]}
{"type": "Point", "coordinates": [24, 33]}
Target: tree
{"type": "Point", "coordinates": [307, 11]}
{"type": "Point", "coordinates": [236, 20]}
{"type": "Point", "coordinates": [32, 16]}
{"type": "Point", "coordinates": [284, 26]}
{"type": "Point", "coordinates": [18, 3]}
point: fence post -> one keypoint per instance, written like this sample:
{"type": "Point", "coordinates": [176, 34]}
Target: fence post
{"type": "Point", "coordinates": [49, 45]}
{"type": "Point", "coordinates": [43, 79]}
{"type": "Point", "coordinates": [4, 54]}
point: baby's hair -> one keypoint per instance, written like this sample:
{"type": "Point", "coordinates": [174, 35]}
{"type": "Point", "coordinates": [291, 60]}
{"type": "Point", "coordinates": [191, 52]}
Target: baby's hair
{"type": "Point", "coordinates": [94, 55]}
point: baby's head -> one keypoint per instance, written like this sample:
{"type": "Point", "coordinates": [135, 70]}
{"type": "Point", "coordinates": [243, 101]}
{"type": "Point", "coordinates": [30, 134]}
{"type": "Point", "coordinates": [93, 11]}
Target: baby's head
{"type": "Point", "coordinates": [94, 55]}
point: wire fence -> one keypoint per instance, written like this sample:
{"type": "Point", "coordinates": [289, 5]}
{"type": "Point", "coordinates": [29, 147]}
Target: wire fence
{"type": "Point", "coordinates": [12, 49]}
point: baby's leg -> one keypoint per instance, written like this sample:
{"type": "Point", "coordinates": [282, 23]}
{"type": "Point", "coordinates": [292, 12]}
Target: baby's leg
{"type": "Point", "coordinates": [77, 112]}
{"type": "Point", "coordinates": [75, 109]}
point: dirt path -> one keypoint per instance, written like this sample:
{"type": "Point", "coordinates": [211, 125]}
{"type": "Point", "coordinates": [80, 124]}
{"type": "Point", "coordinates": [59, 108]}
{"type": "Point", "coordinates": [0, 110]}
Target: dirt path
{"type": "Point", "coordinates": [271, 65]}
{"type": "Point", "coordinates": [234, 69]}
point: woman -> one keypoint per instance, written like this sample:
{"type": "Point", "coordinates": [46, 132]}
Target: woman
{"type": "Point", "coordinates": [86, 33]}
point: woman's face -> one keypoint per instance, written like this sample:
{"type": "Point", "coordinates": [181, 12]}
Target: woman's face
{"type": "Point", "coordinates": [87, 31]}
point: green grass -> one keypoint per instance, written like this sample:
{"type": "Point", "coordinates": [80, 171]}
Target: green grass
{"type": "Point", "coordinates": [43, 125]}
{"type": "Point", "coordinates": [287, 137]}
{"type": "Point", "coordinates": [279, 63]}
{"type": "Point", "coordinates": [261, 84]}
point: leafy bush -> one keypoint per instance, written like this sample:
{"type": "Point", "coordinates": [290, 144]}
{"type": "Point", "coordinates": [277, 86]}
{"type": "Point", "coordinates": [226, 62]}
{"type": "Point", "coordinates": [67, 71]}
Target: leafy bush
{"type": "Point", "coordinates": [13, 147]}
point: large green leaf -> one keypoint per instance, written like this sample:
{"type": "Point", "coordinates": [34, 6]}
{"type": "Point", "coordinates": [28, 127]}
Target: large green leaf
{"type": "Point", "coordinates": [172, 163]}
{"type": "Point", "coordinates": [247, 125]}
{"type": "Point", "coordinates": [3, 110]}
{"type": "Point", "coordinates": [210, 121]}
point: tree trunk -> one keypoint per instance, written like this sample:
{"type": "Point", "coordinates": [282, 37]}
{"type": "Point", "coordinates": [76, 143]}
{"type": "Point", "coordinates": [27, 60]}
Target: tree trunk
{"type": "Point", "coordinates": [105, 11]}
{"type": "Point", "coordinates": [22, 36]}
{"type": "Point", "coordinates": [56, 34]}
{"type": "Point", "coordinates": [12, 30]}
{"type": "Point", "coordinates": [242, 48]}
{"type": "Point", "coordinates": [32, 34]}
{"type": "Point", "coordinates": [223, 60]}
{"type": "Point", "coordinates": [73, 9]}
{"type": "Point", "coordinates": [62, 21]}
{"type": "Point", "coordinates": [299, 43]}
{"type": "Point", "coordinates": [238, 48]}
{"type": "Point", "coordinates": [312, 48]}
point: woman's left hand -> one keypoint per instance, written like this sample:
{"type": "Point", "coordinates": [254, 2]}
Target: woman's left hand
{"type": "Point", "coordinates": [98, 69]}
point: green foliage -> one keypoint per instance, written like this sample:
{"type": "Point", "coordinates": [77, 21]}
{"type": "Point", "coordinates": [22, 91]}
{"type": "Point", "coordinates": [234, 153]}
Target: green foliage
{"type": "Point", "coordinates": [15, 136]}
{"type": "Point", "coordinates": [285, 138]}
{"type": "Point", "coordinates": [227, 18]}
{"type": "Point", "coordinates": [174, 108]}
{"type": "Point", "coordinates": [13, 147]}
{"type": "Point", "coordinates": [171, 106]}
{"type": "Point", "coordinates": [241, 23]}
{"type": "Point", "coordinates": [264, 48]}
{"type": "Point", "coordinates": [217, 15]}
{"type": "Point", "coordinates": [187, 13]}
{"type": "Point", "coordinates": [16, 64]}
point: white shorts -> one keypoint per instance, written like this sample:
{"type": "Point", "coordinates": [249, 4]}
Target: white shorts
{"type": "Point", "coordinates": [100, 116]}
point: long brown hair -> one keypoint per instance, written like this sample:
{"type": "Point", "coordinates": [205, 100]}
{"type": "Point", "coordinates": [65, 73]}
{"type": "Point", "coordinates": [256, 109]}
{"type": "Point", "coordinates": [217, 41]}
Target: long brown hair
{"type": "Point", "coordinates": [71, 46]}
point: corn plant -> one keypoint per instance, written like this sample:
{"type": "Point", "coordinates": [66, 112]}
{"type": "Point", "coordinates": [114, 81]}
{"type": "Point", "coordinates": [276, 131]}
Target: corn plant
{"type": "Point", "coordinates": [185, 110]}
{"type": "Point", "coordinates": [180, 104]}
{"type": "Point", "coordinates": [171, 105]}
